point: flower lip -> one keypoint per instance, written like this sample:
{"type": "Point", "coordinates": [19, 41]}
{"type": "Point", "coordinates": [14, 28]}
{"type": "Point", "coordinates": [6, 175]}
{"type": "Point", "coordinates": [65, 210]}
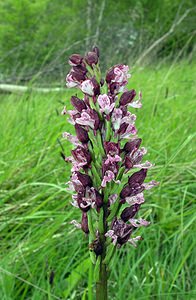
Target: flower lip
{"type": "Point", "coordinates": [81, 155]}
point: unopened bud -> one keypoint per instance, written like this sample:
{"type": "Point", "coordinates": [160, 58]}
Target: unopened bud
{"type": "Point", "coordinates": [75, 59]}
{"type": "Point", "coordinates": [127, 97]}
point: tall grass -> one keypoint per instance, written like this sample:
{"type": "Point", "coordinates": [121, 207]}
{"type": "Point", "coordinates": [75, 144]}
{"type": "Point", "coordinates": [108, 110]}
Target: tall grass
{"type": "Point", "coordinates": [37, 241]}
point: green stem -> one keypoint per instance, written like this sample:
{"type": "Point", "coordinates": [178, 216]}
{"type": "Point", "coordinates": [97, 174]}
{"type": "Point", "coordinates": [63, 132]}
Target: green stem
{"type": "Point", "coordinates": [101, 285]}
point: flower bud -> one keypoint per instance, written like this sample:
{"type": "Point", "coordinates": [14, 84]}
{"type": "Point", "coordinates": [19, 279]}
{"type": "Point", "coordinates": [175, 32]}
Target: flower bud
{"type": "Point", "coordinates": [127, 97]}
{"type": "Point", "coordinates": [84, 179]}
{"type": "Point", "coordinates": [84, 223]}
{"type": "Point", "coordinates": [129, 212]}
{"type": "Point", "coordinates": [95, 117]}
{"type": "Point", "coordinates": [91, 58]}
{"type": "Point", "coordinates": [82, 134]}
{"type": "Point", "coordinates": [75, 59]}
{"type": "Point", "coordinates": [96, 50]}
{"type": "Point", "coordinates": [99, 199]}
{"type": "Point", "coordinates": [128, 163]}
{"type": "Point", "coordinates": [78, 104]}
{"type": "Point", "coordinates": [132, 145]}
{"type": "Point", "coordinates": [96, 86]}
{"type": "Point", "coordinates": [126, 191]}
{"type": "Point", "coordinates": [137, 177]}
{"type": "Point", "coordinates": [123, 128]}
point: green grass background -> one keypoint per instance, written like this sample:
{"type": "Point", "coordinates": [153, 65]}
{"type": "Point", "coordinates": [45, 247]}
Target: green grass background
{"type": "Point", "coordinates": [35, 235]}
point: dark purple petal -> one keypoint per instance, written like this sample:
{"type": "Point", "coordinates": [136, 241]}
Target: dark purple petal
{"type": "Point", "coordinates": [129, 212]}
{"type": "Point", "coordinates": [122, 231]}
{"type": "Point", "coordinates": [128, 163]}
{"type": "Point", "coordinates": [95, 116]}
{"type": "Point", "coordinates": [78, 76]}
{"type": "Point", "coordinates": [75, 59]}
{"type": "Point", "coordinates": [96, 86]}
{"type": "Point", "coordinates": [84, 223]}
{"type": "Point", "coordinates": [126, 191]}
{"type": "Point", "coordinates": [81, 155]}
{"type": "Point", "coordinates": [137, 178]}
{"type": "Point", "coordinates": [112, 148]}
{"type": "Point", "coordinates": [84, 179]}
{"type": "Point", "coordinates": [83, 205]}
{"type": "Point", "coordinates": [123, 128]}
{"type": "Point", "coordinates": [78, 104]}
{"type": "Point", "coordinates": [91, 58]}
{"type": "Point", "coordinates": [96, 50]}
{"type": "Point", "coordinates": [99, 199]}
{"type": "Point", "coordinates": [133, 145]}
{"type": "Point", "coordinates": [82, 134]}
{"type": "Point", "coordinates": [129, 191]}
{"type": "Point", "coordinates": [127, 97]}
{"type": "Point", "coordinates": [80, 69]}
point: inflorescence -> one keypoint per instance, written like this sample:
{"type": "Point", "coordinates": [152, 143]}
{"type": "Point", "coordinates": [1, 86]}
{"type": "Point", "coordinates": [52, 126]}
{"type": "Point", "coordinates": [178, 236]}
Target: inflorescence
{"type": "Point", "coordinates": [107, 170]}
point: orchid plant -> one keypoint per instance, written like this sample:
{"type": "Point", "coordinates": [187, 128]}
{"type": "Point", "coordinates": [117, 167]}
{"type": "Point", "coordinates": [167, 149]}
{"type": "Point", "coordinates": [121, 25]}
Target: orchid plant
{"type": "Point", "coordinates": [108, 187]}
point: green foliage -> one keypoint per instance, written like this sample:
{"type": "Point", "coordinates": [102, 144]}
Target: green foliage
{"type": "Point", "coordinates": [36, 37]}
{"type": "Point", "coordinates": [36, 237]}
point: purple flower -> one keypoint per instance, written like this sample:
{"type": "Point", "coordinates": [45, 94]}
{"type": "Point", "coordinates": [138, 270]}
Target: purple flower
{"type": "Point", "coordinates": [134, 185]}
{"type": "Point", "coordinates": [82, 158]}
{"type": "Point", "coordinates": [80, 181]}
{"type": "Point", "coordinates": [137, 199]}
{"type": "Point", "coordinates": [137, 177]}
{"type": "Point", "coordinates": [127, 97]}
{"type": "Point", "coordinates": [126, 130]}
{"type": "Point", "coordinates": [118, 74]}
{"type": "Point", "coordinates": [108, 177]}
{"type": "Point", "coordinates": [73, 139]}
{"type": "Point", "coordinates": [89, 118]}
{"type": "Point", "coordinates": [82, 134]}
{"type": "Point", "coordinates": [90, 87]}
{"type": "Point", "coordinates": [84, 223]}
{"type": "Point", "coordinates": [138, 222]}
{"type": "Point", "coordinates": [71, 81]}
{"type": "Point", "coordinates": [137, 103]}
{"type": "Point", "coordinates": [105, 104]}
{"type": "Point", "coordinates": [132, 146]}
{"type": "Point", "coordinates": [86, 120]}
{"type": "Point", "coordinates": [120, 232]}
{"type": "Point", "coordinates": [112, 148]}
{"type": "Point", "coordinates": [91, 58]}
{"type": "Point", "coordinates": [78, 104]}
{"type": "Point", "coordinates": [112, 159]}
{"type": "Point", "coordinates": [87, 87]}
{"type": "Point", "coordinates": [129, 212]}
{"type": "Point", "coordinates": [75, 59]}
{"type": "Point", "coordinates": [116, 118]}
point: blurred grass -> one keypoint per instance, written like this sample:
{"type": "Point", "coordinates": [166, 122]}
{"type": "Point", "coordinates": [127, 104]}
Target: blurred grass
{"type": "Point", "coordinates": [36, 237]}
